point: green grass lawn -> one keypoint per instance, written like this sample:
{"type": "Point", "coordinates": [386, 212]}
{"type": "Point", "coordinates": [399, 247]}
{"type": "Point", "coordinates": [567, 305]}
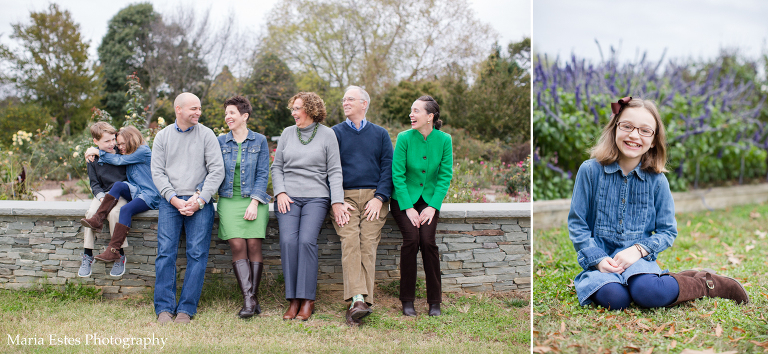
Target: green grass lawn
{"type": "Point", "coordinates": [490, 323]}
{"type": "Point", "coordinates": [734, 242]}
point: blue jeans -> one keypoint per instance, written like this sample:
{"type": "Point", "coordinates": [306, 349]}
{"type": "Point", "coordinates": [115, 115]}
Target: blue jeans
{"type": "Point", "coordinates": [198, 238]}
{"type": "Point", "coordinates": [299, 228]}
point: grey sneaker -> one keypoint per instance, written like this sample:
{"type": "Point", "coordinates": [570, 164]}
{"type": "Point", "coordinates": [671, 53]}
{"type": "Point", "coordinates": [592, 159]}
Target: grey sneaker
{"type": "Point", "coordinates": [118, 269]}
{"type": "Point", "coordinates": [85, 266]}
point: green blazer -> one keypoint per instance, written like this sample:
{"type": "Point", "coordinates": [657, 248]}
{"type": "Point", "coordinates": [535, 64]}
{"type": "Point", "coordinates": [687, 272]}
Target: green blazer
{"type": "Point", "coordinates": [422, 168]}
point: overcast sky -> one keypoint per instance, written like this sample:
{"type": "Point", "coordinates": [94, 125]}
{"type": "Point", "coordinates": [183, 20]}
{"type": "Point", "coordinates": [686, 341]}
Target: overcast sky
{"type": "Point", "coordinates": [510, 18]}
{"type": "Point", "coordinates": [687, 28]}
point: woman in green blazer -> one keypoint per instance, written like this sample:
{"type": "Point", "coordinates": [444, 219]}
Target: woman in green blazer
{"type": "Point", "coordinates": [422, 168]}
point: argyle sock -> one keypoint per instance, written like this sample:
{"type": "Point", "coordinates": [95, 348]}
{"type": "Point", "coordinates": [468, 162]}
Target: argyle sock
{"type": "Point", "coordinates": [356, 298]}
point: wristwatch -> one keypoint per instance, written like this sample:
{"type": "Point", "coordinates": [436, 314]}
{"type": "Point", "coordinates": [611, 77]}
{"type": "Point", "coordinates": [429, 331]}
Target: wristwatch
{"type": "Point", "coordinates": [200, 203]}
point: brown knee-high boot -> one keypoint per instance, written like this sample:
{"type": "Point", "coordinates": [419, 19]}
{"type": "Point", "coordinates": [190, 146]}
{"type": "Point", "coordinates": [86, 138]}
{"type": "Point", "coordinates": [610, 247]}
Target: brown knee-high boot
{"type": "Point", "coordinates": [243, 274]}
{"type": "Point", "coordinates": [256, 270]}
{"type": "Point", "coordinates": [112, 253]}
{"type": "Point", "coordinates": [96, 221]}
{"type": "Point", "coordinates": [708, 284]}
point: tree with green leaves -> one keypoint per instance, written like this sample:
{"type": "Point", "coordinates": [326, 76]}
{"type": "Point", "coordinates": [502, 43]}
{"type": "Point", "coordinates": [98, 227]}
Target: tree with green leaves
{"type": "Point", "coordinates": [123, 51]}
{"type": "Point", "coordinates": [51, 66]}
{"type": "Point", "coordinates": [497, 104]}
{"type": "Point", "coordinates": [269, 87]}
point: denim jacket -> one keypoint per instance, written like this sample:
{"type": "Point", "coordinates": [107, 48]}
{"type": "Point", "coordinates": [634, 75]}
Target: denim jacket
{"type": "Point", "coordinates": [138, 171]}
{"type": "Point", "coordinates": [254, 166]}
{"type": "Point", "coordinates": [610, 212]}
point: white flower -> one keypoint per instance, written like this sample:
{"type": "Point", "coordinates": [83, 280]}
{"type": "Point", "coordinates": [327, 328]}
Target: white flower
{"type": "Point", "coordinates": [161, 121]}
{"type": "Point", "coordinates": [76, 154]}
{"type": "Point", "coordinates": [77, 148]}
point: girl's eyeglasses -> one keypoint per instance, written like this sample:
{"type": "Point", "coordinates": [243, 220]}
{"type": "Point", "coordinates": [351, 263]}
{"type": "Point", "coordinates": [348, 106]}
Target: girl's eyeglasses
{"type": "Point", "coordinates": [628, 127]}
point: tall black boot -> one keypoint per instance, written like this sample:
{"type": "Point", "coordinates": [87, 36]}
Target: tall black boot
{"type": "Point", "coordinates": [243, 274]}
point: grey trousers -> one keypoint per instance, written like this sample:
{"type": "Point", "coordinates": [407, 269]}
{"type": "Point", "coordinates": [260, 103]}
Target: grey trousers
{"type": "Point", "coordinates": [299, 228]}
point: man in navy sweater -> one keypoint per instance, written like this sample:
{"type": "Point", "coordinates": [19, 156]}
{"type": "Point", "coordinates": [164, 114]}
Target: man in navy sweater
{"type": "Point", "coordinates": [366, 163]}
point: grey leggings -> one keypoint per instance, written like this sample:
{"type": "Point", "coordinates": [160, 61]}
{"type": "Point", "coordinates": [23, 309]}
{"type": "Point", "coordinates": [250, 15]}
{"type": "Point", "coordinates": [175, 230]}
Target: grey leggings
{"type": "Point", "coordinates": [299, 228]}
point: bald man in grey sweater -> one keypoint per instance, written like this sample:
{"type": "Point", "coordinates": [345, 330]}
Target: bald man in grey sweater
{"type": "Point", "coordinates": [184, 154]}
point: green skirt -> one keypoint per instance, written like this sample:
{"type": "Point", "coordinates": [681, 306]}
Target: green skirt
{"type": "Point", "coordinates": [232, 224]}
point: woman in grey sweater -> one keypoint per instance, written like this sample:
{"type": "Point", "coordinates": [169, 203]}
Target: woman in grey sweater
{"type": "Point", "coordinates": [307, 180]}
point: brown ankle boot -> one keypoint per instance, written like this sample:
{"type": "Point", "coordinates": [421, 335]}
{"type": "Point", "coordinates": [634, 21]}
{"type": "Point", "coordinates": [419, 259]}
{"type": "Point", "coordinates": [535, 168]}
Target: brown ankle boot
{"type": "Point", "coordinates": [708, 284]}
{"type": "Point", "coordinates": [256, 270]}
{"type": "Point", "coordinates": [96, 221]}
{"type": "Point", "coordinates": [307, 309]}
{"type": "Point", "coordinates": [293, 309]}
{"type": "Point", "coordinates": [243, 275]}
{"type": "Point", "coordinates": [112, 253]}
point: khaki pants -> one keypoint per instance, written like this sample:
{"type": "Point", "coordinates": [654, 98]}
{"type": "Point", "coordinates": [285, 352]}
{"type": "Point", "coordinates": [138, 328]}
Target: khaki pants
{"type": "Point", "coordinates": [359, 241]}
{"type": "Point", "coordinates": [113, 218]}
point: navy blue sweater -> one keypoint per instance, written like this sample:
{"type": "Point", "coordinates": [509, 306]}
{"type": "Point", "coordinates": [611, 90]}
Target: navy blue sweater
{"type": "Point", "coordinates": [366, 158]}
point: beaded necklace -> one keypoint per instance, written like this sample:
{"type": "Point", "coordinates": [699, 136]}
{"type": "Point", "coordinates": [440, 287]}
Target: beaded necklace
{"type": "Point", "coordinates": [298, 132]}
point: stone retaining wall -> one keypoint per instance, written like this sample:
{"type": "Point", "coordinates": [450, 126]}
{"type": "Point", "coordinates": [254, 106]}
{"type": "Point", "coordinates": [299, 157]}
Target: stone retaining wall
{"type": "Point", "coordinates": [483, 247]}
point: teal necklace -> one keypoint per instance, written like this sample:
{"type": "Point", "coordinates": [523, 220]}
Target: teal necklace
{"type": "Point", "coordinates": [298, 132]}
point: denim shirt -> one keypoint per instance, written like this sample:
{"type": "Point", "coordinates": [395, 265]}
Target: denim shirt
{"type": "Point", "coordinates": [254, 166]}
{"type": "Point", "coordinates": [138, 171]}
{"type": "Point", "coordinates": [611, 211]}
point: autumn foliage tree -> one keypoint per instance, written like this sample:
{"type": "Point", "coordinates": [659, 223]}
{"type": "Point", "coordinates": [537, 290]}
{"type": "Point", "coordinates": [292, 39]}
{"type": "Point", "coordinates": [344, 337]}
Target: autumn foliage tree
{"type": "Point", "coordinates": [50, 66]}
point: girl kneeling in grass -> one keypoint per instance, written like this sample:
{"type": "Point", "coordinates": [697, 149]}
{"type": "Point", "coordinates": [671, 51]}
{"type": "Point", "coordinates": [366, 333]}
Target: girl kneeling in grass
{"type": "Point", "coordinates": [622, 216]}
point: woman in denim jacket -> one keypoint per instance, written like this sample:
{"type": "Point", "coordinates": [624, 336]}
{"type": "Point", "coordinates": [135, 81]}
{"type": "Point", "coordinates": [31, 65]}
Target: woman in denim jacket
{"type": "Point", "coordinates": [140, 192]}
{"type": "Point", "coordinates": [243, 200]}
{"type": "Point", "coordinates": [623, 215]}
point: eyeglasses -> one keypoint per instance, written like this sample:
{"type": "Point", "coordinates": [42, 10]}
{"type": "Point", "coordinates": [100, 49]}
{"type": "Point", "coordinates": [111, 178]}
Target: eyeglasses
{"type": "Point", "coordinates": [296, 109]}
{"type": "Point", "coordinates": [628, 127]}
{"type": "Point", "coordinates": [350, 99]}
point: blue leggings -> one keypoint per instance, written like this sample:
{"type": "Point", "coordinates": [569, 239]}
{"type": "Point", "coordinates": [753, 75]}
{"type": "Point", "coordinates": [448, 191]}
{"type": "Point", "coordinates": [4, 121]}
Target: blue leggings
{"type": "Point", "coordinates": [646, 290]}
{"type": "Point", "coordinates": [134, 206]}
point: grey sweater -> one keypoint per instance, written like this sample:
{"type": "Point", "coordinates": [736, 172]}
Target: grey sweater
{"type": "Point", "coordinates": [308, 170]}
{"type": "Point", "coordinates": [180, 161]}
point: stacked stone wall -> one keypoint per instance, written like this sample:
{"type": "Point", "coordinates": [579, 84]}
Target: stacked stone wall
{"type": "Point", "coordinates": [481, 250]}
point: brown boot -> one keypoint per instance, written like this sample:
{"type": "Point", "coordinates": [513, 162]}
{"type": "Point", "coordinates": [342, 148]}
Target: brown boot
{"type": "Point", "coordinates": [708, 284]}
{"type": "Point", "coordinates": [112, 253]}
{"type": "Point", "coordinates": [243, 275]}
{"type": "Point", "coordinates": [256, 270]}
{"type": "Point", "coordinates": [96, 221]}
{"type": "Point", "coordinates": [293, 309]}
{"type": "Point", "coordinates": [307, 309]}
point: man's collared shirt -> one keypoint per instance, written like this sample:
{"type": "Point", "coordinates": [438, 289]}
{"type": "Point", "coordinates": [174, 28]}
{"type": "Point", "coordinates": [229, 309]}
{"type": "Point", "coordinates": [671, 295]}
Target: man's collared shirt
{"type": "Point", "coordinates": [179, 129]}
{"type": "Point", "coordinates": [362, 124]}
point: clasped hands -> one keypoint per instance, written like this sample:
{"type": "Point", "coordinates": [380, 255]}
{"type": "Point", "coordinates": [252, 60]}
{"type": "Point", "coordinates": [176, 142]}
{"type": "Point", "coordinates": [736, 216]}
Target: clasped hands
{"type": "Point", "coordinates": [186, 208]}
{"type": "Point", "coordinates": [418, 219]}
{"type": "Point", "coordinates": [621, 261]}
{"type": "Point", "coordinates": [371, 212]}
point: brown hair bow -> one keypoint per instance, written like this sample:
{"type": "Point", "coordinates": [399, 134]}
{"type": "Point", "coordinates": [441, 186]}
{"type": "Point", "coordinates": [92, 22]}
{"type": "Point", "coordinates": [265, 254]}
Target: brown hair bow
{"type": "Point", "coordinates": [617, 106]}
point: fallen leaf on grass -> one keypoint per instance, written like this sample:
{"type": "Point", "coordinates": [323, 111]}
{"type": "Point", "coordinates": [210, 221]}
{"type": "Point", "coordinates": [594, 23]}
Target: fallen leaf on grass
{"type": "Point", "coordinates": [760, 344]}
{"type": "Point", "coordinates": [575, 332]}
{"type": "Point", "coordinates": [737, 329]}
{"type": "Point", "coordinates": [562, 327]}
{"type": "Point", "coordinates": [690, 339]}
{"type": "Point", "coordinates": [718, 331]}
{"type": "Point", "coordinates": [542, 349]}
{"type": "Point", "coordinates": [671, 331]}
{"type": "Point", "coordinates": [632, 348]}
{"type": "Point", "coordinates": [736, 339]}
{"type": "Point", "coordinates": [649, 351]}
{"type": "Point", "coordinates": [643, 326]}
{"type": "Point", "coordinates": [761, 234]}
{"type": "Point", "coordinates": [754, 215]}
{"type": "Point", "coordinates": [734, 260]}
{"type": "Point", "coordinates": [708, 351]}
{"type": "Point", "coordinates": [661, 328]}
{"type": "Point", "coordinates": [750, 247]}
{"type": "Point", "coordinates": [672, 344]}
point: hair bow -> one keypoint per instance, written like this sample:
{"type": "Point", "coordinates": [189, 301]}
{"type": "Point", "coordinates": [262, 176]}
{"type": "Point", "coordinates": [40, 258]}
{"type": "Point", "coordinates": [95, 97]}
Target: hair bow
{"type": "Point", "coordinates": [617, 106]}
